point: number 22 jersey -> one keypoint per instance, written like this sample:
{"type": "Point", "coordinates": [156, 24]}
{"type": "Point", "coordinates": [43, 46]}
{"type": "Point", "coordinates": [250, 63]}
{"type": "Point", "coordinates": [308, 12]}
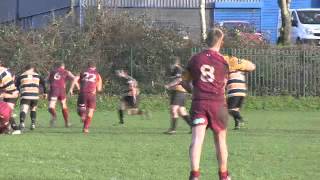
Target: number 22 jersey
{"type": "Point", "coordinates": [89, 81]}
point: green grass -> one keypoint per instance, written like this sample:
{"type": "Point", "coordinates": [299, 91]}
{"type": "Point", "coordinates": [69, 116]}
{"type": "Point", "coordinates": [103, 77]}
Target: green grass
{"type": "Point", "coordinates": [276, 146]}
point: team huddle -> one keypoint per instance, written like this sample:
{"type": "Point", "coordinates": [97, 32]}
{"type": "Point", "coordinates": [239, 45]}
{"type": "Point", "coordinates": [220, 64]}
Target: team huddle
{"type": "Point", "coordinates": [217, 84]}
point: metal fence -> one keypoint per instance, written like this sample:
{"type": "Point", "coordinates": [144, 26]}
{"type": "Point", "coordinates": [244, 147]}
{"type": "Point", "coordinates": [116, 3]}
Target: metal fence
{"type": "Point", "coordinates": [289, 71]}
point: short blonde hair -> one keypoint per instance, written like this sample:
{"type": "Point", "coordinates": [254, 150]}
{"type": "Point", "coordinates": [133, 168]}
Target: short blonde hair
{"type": "Point", "coordinates": [213, 36]}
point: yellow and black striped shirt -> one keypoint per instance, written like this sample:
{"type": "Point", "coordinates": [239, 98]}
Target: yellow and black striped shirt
{"type": "Point", "coordinates": [7, 81]}
{"type": "Point", "coordinates": [28, 84]}
{"type": "Point", "coordinates": [236, 84]}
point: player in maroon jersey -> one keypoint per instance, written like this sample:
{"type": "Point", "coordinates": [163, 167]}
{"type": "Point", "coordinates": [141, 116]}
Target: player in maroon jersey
{"type": "Point", "coordinates": [208, 71]}
{"type": "Point", "coordinates": [57, 82]}
{"type": "Point", "coordinates": [5, 114]}
{"type": "Point", "coordinates": [90, 83]}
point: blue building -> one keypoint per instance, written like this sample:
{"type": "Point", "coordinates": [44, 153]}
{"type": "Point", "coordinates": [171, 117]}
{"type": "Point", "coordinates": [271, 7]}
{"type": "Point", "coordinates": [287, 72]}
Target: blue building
{"type": "Point", "coordinates": [263, 14]}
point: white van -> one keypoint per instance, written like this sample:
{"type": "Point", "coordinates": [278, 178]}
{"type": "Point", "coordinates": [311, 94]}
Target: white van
{"type": "Point", "coordinates": [305, 26]}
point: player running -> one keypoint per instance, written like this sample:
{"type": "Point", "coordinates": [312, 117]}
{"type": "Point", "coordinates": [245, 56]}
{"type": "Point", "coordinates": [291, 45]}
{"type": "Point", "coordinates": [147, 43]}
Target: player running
{"type": "Point", "coordinates": [57, 82]}
{"type": "Point", "coordinates": [130, 101]}
{"type": "Point", "coordinates": [90, 83]}
{"type": "Point", "coordinates": [29, 84]}
{"type": "Point", "coordinates": [208, 71]}
{"type": "Point", "coordinates": [177, 98]}
{"type": "Point", "coordinates": [236, 88]}
{"type": "Point", "coordinates": [8, 91]}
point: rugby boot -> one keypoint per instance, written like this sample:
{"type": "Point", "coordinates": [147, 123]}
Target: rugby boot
{"type": "Point", "coordinates": [22, 126]}
{"type": "Point", "coordinates": [32, 126]}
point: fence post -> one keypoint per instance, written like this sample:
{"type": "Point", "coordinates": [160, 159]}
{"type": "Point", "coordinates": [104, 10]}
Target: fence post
{"type": "Point", "coordinates": [131, 62]}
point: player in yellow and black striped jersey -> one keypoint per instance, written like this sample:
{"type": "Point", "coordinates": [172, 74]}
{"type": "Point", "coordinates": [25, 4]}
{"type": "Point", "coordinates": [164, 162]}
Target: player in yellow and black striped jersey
{"type": "Point", "coordinates": [8, 91]}
{"type": "Point", "coordinates": [29, 84]}
{"type": "Point", "coordinates": [177, 98]}
{"type": "Point", "coordinates": [236, 86]}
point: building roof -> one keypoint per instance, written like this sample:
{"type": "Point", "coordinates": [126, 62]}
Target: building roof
{"type": "Point", "coordinates": [151, 3]}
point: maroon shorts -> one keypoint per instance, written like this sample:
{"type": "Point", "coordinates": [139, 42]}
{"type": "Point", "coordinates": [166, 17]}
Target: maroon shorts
{"type": "Point", "coordinates": [211, 113]}
{"type": "Point", "coordinates": [87, 100]}
{"type": "Point", "coordinates": [5, 114]}
{"type": "Point", "coordinates": [57, 94]}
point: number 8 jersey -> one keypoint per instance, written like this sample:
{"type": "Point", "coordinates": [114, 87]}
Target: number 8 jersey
{"type": "Point", "coordinates": [208, 71]}
{"type": "Point", "coordinates": [89, 81]}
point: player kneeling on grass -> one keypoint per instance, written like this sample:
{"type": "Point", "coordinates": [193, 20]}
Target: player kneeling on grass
{"type": "Point", "coordinates": [90, 83]}
{"type": "Point", "coordinates": [29, 83]}
{"type": "Point", "coordinates": [130, 101]}
{"type": "Point", "coordinates": [178, 97]}
{"type": "Point", "coordinates": [236, 87]}
{"type": "Point", "coordinates": [5, 115]}
{"type": "Point", "coordinates": [57, 81]}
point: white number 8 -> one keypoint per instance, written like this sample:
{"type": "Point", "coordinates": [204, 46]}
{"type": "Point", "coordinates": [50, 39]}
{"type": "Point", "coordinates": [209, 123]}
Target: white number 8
{"type": "Point", "coordinates": [207, 73]}
{"type": "Point", "coordinates": [57, 76]}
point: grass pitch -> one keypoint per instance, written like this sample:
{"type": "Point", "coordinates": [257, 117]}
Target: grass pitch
{"type": "Point", "coordinates": [275, 146]}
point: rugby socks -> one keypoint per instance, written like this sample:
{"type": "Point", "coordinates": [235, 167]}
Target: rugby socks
{"type": "Point", "coordinates": [223, 175]}
{"type": "Point", "coordinates": [187, 119]}
{"type": "Point", "coordinates": [194, 174]}
{"type": "Point", "coordinates": [87, 122]}
{"type": "Point", "coordinates": [174, 122]}
{"type": "Point", "coordinates": [13, 124]}
{"type": "Point", "coordinates": [33, 116]}
{"type": "Point", "coordinates": [65, 114]}
{"type": "Point", "coordinates": [236, 115]}
{"type": "Point", "coordinates": [53, 113]}
{"type": "Point", "coordinates": [22, 117]}
{"type": "Point", "coordinates": [121, 116]}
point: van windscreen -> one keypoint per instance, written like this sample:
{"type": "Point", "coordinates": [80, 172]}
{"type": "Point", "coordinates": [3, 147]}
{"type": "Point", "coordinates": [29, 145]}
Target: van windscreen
{"type": "Point", "coordinates": [309, 17]}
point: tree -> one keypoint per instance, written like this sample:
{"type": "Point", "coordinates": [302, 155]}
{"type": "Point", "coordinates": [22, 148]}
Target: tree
{"type": "Point", "coordinates": [286, 22]}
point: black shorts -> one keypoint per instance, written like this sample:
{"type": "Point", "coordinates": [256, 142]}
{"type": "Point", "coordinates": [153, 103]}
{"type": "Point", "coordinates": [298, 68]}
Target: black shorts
{"type": "Point", "coordinates": [178, 98]}
{"type": "Point", "coordinates": [10, 100]}
{"type": "Point", "coordinates": [30, 102]}
{"type": "Point", "coordinates": [235, 102]}
{"type": "Point", "coordinates": [130, 103]}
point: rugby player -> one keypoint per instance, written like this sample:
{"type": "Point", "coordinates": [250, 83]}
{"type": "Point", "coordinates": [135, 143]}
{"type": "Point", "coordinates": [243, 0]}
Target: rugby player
{"type": "Point", "coordinates": [208, 72]}
{"type": "Point", "coordinates": [5, 114]}
{"type": "Point", "coordinates": [29, 84]}
{"type": "Point", "coordinates": [8, 91]}
{"type": "Point", "coordinates": [177, 98]}
{"type": "Point", "coordinates": [90, 83]}
{"type": "Point", "coordinates": [57, 82]}
{"type": "Point", "coordinates": [130, 101]}
{"type": "Point", "coordinates": [236, 88]}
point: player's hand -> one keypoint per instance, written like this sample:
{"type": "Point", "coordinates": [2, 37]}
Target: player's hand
{"type": "Point", "coordinates": [71, 93]}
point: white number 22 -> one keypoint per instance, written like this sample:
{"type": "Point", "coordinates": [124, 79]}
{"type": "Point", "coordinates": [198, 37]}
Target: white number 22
{"type": "Point", "coordinates": [89, 77]}
{"type": "Point", "coordinates": [207, 73]}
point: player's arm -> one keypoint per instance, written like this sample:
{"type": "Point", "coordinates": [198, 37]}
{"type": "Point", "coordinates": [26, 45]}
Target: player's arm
{"type": "Point", "coordinates": [44, 87]}
{"type": "Point", "coordinates": [186, 81]}
{"type": "Point", "coordinates": [9, 95]}
{"type": "Point", "coordinates": [18, 83]}
{"type": "Point", "coordinates": [173, 83]}
{"type": "Point", "coordinates": [238, 64]}
{"type": "Point", "coordinates": [75, 83]}
{"type": "Point", "coordinates": [99, 83]}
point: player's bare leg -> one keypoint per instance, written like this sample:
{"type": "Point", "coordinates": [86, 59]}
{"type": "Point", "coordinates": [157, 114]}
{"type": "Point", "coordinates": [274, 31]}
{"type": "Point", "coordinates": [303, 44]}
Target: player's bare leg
{"type": "Point", "coordinates": [183, 113]}
{"type": "Point", "coordinates": [87, 122]}
{"type": "Point", "coordinates": [220, 140]}
{"type": "Point", "coordinates": [198, 134]}
{"type": "Point", "coordinates": [33, 116]}
{"type": "Point", "coordinates": [52, 111]}
{"type": "Point", "coordinates": [24, 108]}
{"type": "Point", "coordinates": [65, 113]}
